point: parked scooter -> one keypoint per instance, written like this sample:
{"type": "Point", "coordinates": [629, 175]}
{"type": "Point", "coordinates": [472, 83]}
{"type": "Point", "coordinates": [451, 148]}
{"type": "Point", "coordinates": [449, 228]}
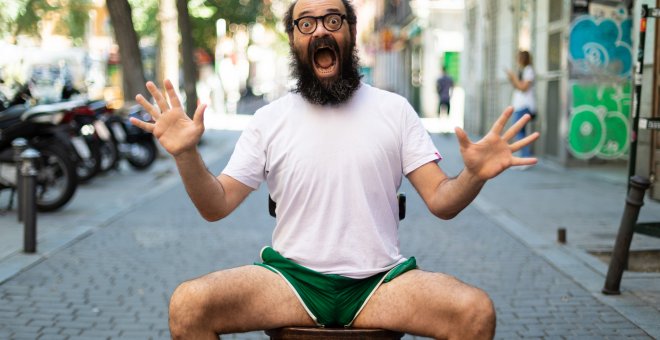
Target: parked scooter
{"type": "Point", "coordinates": [96, 149]}
{"type": "Point", "coordinates": [109, 147]}
{"type": "Point", "coordinates": [135, 145]}
{"type": "Point", "coordinates": [56, 180]}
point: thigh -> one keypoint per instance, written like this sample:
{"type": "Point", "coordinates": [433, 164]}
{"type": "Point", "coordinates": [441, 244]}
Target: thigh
{"type": "Point", "coordinates": [520, 113]}
{"type": "Point", "coordinates": [246, 299]}
{"type": "Point", "coordinates": [418, 302]}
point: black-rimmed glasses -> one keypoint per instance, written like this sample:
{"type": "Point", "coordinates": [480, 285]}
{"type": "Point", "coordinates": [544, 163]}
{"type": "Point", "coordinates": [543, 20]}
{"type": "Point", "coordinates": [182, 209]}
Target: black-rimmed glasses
{"type": "Point", "coordinates": [331, 21]}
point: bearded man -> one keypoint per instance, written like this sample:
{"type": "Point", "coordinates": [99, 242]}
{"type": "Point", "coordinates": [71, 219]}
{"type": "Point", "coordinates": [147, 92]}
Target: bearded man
{"type": "Point", "coordinates": [342, 145]}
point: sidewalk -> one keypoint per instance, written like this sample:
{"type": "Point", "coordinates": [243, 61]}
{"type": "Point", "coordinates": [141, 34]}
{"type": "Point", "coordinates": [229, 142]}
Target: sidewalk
{"type": "Point", "coordinates": [95, 205]}
{"type": "Point", "coordinates": [530, 205]}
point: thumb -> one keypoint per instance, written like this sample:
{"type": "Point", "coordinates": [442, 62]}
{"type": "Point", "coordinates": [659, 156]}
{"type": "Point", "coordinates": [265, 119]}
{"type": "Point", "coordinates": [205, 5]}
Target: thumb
{"type": "Point", "coordinates": [198, 117]}
{"type": "Point", "coordinates": [462, 137]}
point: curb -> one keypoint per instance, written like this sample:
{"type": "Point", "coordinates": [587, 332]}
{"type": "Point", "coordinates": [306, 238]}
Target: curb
{"type": "Point", "coordinates": [585, 270]}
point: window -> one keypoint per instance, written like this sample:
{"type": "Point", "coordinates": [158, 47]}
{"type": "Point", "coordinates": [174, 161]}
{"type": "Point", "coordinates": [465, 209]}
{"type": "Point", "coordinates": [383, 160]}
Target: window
{"type": "Point", "coordinates": [556, 9]}
{"type": "Point", "coordinates": [554, 51]}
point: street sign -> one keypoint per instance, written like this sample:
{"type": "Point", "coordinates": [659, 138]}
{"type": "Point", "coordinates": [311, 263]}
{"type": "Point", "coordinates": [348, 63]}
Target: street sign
{"type": "Point", "coordinates": [649, 123]}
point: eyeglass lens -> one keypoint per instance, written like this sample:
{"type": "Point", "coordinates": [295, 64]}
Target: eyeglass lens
{"type": "Point", "coordinates": [331, 22]}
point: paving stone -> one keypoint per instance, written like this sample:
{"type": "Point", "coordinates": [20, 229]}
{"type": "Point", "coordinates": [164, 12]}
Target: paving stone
{"type": "Point", "coordinates": [41, 323]}
{"type": "Point", "coordinates": [52, 337]}
{"type": "Point", "coordinates": [138, 334]}
{"type": "Point", "coordinates": [99, 334]}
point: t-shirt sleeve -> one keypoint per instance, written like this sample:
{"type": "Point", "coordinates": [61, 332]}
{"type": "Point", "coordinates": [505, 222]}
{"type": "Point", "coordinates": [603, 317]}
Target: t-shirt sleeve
{"type": "Point", "coordinates": [247, 162]}
{"type": "Point", "coordinates": [417, 147]}
{"type": "Point", "coordinates": [528, 74]}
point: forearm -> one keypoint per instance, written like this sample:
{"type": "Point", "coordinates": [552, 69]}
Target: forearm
{"type": "Point", "coordinates": [203, 188]}
{"type": "Point", "coordinates": [452, 195]}
{"type": "Point", "coordinates": [514, 81]}
{"type": "Point", "coordinates": [521, 85]}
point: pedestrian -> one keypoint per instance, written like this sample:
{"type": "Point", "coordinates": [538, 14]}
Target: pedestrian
{"type": "Point", "coordinates": [523, 101]}
{"type": "Point", "coordinates": [444, 86]}
{"type": "Point", "coordinates": [332, 153]}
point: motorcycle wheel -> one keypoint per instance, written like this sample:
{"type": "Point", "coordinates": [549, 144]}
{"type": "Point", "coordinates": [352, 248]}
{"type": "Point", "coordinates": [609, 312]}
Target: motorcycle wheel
{"type": "Point", "coordinates": [109, 155]}
{"type": "Point", "coordinates": [142, 154]}
{"type": "Point", "coordinates": [87, 168]}
{"type": "Point", "coordinates": [56, 179]}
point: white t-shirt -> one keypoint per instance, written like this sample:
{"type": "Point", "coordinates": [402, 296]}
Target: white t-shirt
{"type": "Point", "coordinates": [525, 99]}
{"type": "Point", "coordinates": [334, 172]}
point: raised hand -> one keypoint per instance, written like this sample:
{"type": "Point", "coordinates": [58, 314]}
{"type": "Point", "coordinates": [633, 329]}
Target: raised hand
{"type": "Point", "coordinates": [175, 131]}
{"type": "Point", "coordinates": [493, 154]}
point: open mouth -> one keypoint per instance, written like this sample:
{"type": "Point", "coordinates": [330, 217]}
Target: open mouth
{"type": "Point", "coordinates": [325, 60]}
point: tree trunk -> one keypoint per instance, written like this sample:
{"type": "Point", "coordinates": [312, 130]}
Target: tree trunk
{"type": "Point", "coordinates": [129, 49]}
{"type": "Point", "coordinates": [169, 43]}
{"type": "Point", "coordinates": [187, 53]}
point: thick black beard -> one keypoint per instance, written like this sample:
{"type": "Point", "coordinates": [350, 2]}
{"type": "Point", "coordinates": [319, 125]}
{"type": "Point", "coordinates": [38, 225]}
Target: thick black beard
{"type": "Point", "coordinates": [327, 92]}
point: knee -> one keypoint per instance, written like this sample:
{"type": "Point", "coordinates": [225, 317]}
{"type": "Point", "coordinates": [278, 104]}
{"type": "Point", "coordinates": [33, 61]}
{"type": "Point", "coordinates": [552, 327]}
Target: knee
{"type": "Point", "coordinates": [187, 309]}
{"type": "Point", "coordinates": [477, 314]}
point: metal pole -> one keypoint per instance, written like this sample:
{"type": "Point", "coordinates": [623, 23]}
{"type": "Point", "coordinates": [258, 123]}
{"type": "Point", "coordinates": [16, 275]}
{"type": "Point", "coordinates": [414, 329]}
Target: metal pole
{"type": "Point", "coordinates": [19, 145]}
{"type": "Point", "coordinates": [634, 202]}
{"type": "Point", "coordinates": [639, 70]}
{"type": "Point", "coordinates": [29, 174]}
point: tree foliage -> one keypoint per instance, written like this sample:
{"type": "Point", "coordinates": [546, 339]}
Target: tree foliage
{"type": "Point", "coordinates": [205, 13]}
{"type": "Point", "coordinates": [23, 17]}
{"type": "Point", "coordinates": [145, 13]}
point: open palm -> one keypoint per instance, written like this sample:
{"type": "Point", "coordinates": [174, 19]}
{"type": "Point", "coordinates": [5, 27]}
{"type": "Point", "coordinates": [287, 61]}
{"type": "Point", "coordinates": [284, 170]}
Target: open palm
{"type": "Point", "coordinates": [493, 154]}
{"type": "Point", "coordinates": [175, 131]}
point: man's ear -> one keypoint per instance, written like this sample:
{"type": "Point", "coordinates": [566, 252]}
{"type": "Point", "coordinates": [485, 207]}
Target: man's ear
{"type": "Point", "coordinates": [354, 32]}
{"type": "Point", "coordinates": [291, 39]}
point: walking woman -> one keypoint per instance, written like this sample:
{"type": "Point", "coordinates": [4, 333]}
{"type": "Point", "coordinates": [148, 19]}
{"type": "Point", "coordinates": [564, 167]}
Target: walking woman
{"type": "Point", "coordinates": [523, 101]}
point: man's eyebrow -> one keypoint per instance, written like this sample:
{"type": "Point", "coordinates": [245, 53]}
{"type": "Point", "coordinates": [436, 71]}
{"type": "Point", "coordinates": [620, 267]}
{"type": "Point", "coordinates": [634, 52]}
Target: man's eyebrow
{"type": "Point", "coordinates": [307, 12]}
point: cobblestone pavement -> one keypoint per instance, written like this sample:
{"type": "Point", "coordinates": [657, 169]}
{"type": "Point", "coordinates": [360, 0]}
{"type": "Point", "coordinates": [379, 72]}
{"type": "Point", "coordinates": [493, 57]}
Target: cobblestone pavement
{"type": "Point", "coordinates": [116, 282]}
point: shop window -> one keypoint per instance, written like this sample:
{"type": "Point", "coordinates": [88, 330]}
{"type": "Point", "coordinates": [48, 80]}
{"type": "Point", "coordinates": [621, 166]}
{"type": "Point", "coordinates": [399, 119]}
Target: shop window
{"type": "Point", "coordinates": [554, 51]}
{"type": "Point", "coordinates": [553, 116]}
{"type": "Point", "coordinates": [556, 9]}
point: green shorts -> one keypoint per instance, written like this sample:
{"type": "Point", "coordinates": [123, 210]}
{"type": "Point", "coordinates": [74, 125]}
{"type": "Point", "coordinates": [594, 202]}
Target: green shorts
{"type": "Point", "coordinates": [330, 299]}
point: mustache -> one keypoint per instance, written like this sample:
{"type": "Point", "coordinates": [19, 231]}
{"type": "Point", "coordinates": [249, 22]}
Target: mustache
{"type": "Point", "coordinates": [322, 41]}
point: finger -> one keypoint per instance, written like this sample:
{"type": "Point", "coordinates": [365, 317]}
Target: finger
{"type": "Point", "coordinates": [198, 117]}
{"type": "Point", "coordinates": [463, 138]}
{"type": "Point", "coordinates": [524, 161]}
{"type": "Point", "coordinates": [516, 127]}
{"type": "Point", "coordinates": [149, 127]}
{"type": "Point", "coordinates": [524, 142]}
{"type": "Point", "coordinates": [152, 110]}
{"type": "Point", "coordinates": [158, 96]}
{"type": "Point", "coordinates": [171, 94]}
{"type": "Point", "coordinates": [500, 123]}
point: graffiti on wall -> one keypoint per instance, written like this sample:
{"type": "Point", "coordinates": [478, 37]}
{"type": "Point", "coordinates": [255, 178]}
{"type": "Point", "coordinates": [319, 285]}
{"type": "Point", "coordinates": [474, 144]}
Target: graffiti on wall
{"type": "Point", "coordinates": [601, 65]}
{"type": "Point", "coordinates": [599, 121]}
{"type": "Point", "coordinates": [600, 47]}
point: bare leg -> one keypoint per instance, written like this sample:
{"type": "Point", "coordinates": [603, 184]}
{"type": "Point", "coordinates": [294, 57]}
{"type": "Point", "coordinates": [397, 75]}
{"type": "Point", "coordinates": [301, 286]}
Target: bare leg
{"type": "Point", "coordinates": [236, 300]}
{"type": "Point", "coordinates": [430, 304]}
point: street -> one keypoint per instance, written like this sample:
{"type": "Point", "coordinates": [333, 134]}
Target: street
{"type": "Point", "coordinates": [115, 282]}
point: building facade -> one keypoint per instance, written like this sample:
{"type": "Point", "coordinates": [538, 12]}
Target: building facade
{"type": "Point", "coordinates": [584, 55]}
{"type": "Point", "coordinates": [408, 42]}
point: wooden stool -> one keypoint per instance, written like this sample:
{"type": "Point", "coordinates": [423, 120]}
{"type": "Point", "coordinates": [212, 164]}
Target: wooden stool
{"type": "Point", "coordinates": [299, 333]}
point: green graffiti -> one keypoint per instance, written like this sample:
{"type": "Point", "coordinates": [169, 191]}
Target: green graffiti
{"type": "Point", "coordinates": [617, 136]}
{"type": "Point", "coordinates": [586, 132]}
{"type": "Point", "coordinates": [598, 123]}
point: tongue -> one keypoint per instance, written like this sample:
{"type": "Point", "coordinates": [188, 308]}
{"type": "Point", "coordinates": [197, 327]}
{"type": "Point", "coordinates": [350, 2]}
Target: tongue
{"type": "Point", "coordinates": [324, 58]}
